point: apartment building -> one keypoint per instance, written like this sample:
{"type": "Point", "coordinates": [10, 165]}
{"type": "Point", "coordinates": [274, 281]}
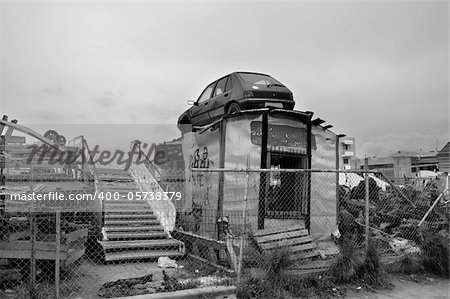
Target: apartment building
{"type": "Point", "coordinates": [347, 153]}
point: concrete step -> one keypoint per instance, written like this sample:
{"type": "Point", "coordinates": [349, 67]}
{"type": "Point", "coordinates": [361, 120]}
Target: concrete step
{"type": "Point", "coordinates": [111, 170]}
{"type": "Point", "coordinates": [114, 175]}
{"type": "Point", "coordinates": [136, 235]}
{"type": "Point", "coordinates": [127, 208]}
{"type": "Point", "coordinates": [118, 185]}
{"type": "Point", "coordinates": [129, 216]}
{"type": "Point", "coordinates": [124, 202]}
{"type": "Point", "coordinates": [131, 222]}
{"type": "Point", "coordinates": [115, 178]}
{"type": "Point", "coordinates": [132, 229]}
{"type": "Point", "coordinates": [140, 254]}
{"type": "Point", "coordinates": [121, 190]}
{"type": "Point", "coordinates": [158, 243]}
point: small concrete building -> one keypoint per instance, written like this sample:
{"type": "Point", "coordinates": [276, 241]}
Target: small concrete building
{"type": "Point", "coordinates": [443, 157]}
{"type": "Point", "coordinates": [262, 139]}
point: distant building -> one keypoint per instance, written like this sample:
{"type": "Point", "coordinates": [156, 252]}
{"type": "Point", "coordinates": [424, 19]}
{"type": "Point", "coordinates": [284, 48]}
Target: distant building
{"type": "Point", "coordinates": [347, 153]}
{"type": "Point", "coordinates": [443, 157]}
{"type": "Point", "coordinates": [402, 164]}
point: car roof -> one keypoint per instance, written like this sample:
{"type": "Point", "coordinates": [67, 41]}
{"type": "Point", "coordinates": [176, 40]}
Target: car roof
{"type": "Point", "coordinates": [252, 73]}
{"type": "Point", "coordinates": [235, 73]}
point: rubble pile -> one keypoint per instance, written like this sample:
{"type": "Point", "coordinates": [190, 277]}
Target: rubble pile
{"type": "Point", "coordinates": [396, 215]}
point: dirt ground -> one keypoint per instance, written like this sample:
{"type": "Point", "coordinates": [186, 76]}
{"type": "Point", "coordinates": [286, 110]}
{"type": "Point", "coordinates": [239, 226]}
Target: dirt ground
{"type": "Point", "coordinates": [92, 276]}
{"type": "Point", "coordinates": [87, 277]}
{"type": "Point", "coordinates": [405, 286]}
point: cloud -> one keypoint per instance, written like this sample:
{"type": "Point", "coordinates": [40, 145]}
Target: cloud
{"type": "Point", "coordinates": [81, 116]}
{"type": "Point", "coordinates": [391, 143]}
{"type": "Point", "coordinates": [107, 99]}
{"type": "Point", "coordinates": [57, 91]}
{"type": "Point", "coordinates": [104, 101]}
{"type": "Point", "coordinates": [153, 113]}
{"type": "Point", "coordinates": [47, 115]}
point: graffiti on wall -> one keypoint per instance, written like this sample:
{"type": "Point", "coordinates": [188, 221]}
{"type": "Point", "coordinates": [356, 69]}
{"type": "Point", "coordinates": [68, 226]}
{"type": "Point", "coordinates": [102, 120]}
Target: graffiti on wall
{"type": "Point", "coordinates": [201, 183]}
{"type": "Point", "coordinates": [279, 135]}
{"type": "Point", "coordinates": [202, 160]}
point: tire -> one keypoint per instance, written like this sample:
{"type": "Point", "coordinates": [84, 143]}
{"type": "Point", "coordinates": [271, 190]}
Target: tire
{"type": "Point", "coordinates": [52, 135]}
{"type": "Point", "coordinates": [234, 108]}
{"type": "Point", "coordinates": [61, 140]}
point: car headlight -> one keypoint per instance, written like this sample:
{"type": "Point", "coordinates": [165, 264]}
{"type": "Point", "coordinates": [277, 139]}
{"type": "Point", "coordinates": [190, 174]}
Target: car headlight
{"type": "Point", "coordinates": [248, 94]}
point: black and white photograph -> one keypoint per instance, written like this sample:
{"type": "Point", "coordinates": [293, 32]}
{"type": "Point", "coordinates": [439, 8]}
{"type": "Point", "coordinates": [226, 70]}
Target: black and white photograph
{"type": "Point", "coordinates": [250, 149]}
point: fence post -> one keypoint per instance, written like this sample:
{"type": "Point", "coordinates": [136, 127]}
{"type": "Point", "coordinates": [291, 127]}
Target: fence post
{"type": "Point", "coordinates": [58, 249]}
{"type": "Point", "coordinates": [367, 195]}
{"type": "Point", "coordinates": [244, 225]}
{"type": "Point", "coordinates": [33, 293]}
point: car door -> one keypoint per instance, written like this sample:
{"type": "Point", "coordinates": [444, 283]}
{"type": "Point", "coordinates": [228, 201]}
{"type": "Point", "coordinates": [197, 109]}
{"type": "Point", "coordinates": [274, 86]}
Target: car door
{"type": "Point", "coordinates": [219, 98]}
{"type": "Point", "coordinates": [199, 113]}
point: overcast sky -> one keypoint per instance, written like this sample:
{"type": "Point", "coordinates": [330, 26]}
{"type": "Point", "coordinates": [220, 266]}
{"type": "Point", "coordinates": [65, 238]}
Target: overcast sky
{"type": "Point", "coordinates": [377, 71]}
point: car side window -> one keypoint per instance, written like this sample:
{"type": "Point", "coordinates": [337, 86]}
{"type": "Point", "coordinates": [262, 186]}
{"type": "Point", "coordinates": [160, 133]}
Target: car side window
{"type": "Point", "coordinates": [220, 87]}
{"type": "Point", "coordinates": [206, 93]}
{"type": "Point", "coordinates": [229, 84]}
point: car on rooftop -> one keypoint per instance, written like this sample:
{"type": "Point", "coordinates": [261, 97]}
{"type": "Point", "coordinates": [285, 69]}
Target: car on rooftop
{"type": "Point", "coordinates": [236, 92]}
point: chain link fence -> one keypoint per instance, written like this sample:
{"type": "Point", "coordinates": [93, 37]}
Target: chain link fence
{"type": "Point", "coordinates": [258, 229]}
{"type": "Point", "coordinates": [343, 225]}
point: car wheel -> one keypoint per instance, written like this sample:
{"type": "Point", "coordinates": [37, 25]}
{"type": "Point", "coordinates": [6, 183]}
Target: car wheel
{"type": "Point", "coordinates": [234, 108]}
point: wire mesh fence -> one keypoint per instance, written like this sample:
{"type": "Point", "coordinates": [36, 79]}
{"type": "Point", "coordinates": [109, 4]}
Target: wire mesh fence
{"type": "Point", "coordinates": [223, 225]}
{"type": "Point", "coordinates": [336, 223]}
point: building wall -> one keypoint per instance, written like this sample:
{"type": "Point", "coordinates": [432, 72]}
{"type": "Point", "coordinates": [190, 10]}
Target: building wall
{"type": "Point", "coordinates": [323, 185]}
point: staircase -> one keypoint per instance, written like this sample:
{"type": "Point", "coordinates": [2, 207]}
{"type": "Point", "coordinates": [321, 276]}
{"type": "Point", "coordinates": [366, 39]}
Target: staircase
{"type": "Point", "coordinates": [131, 229]}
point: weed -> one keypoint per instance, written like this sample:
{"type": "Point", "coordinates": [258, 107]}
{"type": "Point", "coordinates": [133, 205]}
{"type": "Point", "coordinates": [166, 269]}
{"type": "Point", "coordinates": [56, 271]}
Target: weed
{"type": "Point", "coordinates": [371, 271]}
{"type": "Point", "coordinates": [312, 287]}
{"type": "Point", "coordinates": [43, 291]}
{"type": "Point", "coordinates": [348, 261]}
{"type": "Point", "coordinates": [254, 288]}
{"type": "Point", "coordinates": [409, 265]}
{"type": "Point", "coordinates": [274, 265]}
{"type": "Point", "coordinates": [436, 253]}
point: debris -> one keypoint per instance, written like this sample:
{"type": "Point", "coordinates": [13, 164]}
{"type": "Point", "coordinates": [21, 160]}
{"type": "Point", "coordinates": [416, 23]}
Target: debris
{"type": "Point", "coordinates": [123, 287]}
{"type": "Point", "coordinates": [401, 246]}
{"type": "Point", "coordinates": [105, 237]}
{"type": "Point", "coordinates": [414, 277]}
{"type": "Point", "coordinates": [166, 262]}
{"type": "Point", "coordinates": [204, 281]}
{"type": "Point", "coordinates": [10, 275]}
{"type": "Point", "coordinates": [172, 284]}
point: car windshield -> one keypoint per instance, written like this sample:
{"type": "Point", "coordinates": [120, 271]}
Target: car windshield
{"type": "Point", "coordinates": [258, 79]}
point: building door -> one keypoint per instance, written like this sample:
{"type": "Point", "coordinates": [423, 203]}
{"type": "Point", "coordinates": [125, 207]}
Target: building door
{"type": "Point", "coordinates": [286, 191]}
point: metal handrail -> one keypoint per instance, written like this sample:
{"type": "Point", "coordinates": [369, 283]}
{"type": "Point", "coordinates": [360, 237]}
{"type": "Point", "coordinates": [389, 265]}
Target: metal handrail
{"type": "Point", "coordinates": [153, 169]}
{"type": "Point", "coordinates": [94, 174]}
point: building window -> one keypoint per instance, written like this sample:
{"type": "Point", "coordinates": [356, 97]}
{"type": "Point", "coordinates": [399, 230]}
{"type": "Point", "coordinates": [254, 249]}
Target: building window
{"type": "Point", "coordinates": [345, 160]}
{"type": "Point", "coordinates": [346, 147]}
